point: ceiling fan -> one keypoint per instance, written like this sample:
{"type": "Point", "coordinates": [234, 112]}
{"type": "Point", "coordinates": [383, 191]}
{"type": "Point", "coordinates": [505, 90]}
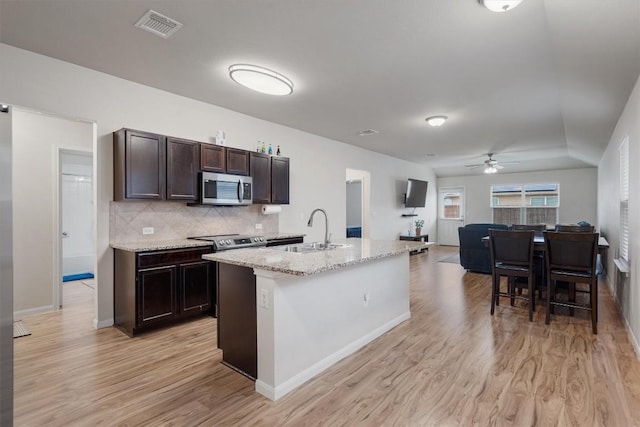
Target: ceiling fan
{"type": "Point", "coordinates": [491, 165]}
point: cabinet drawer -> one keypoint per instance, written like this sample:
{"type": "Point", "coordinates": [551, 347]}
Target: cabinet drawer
{"type": "Point", "coordinates": [171, 257]}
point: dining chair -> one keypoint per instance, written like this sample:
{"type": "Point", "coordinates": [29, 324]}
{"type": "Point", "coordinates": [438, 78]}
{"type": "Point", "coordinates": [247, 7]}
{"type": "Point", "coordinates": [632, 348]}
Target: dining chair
{"type": "Point", "coordinates": [571, 257]}
{"type": "Point", "coordinates": [574, 228]}
{"type": "Point", "coordinates": [538, 256]}
{"type": "Point", "coordinates": [512, 256]}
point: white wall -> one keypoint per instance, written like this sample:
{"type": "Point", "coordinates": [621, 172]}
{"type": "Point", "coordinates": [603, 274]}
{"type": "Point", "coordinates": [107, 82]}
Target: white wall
{"type": "Point", "coordinates": [626, 290]}
{"type": "Point", "coordinates": [317, 164]}
{"type": "Point", "coordinates": [36, 141]}
{"type": "Point", "coordinates": [6, 273]}
{"type": "Point", "coordinates": [354, 204]}
{"type": "Point", "coordinates": [578, 192]}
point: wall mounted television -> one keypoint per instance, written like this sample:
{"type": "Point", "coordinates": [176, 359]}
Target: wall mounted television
{"type": "Point", "coordinates": [416, 196]}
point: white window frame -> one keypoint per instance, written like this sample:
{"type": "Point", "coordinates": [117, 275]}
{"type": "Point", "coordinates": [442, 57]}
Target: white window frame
{"type": "Point", "coordinates": [522, 207]}
{"type": "Point", "coordinates": [623, 251]}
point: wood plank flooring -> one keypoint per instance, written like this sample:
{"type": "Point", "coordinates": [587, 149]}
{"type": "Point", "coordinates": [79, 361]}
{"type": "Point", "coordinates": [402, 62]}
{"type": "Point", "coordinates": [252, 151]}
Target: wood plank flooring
{"type": "Point", "coordinates": [451, 364]}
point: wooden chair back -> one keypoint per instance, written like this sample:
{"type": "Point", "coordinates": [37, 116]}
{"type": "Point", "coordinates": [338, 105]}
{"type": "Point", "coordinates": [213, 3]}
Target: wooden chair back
{"type": "Point", "coordinates": [575, 228]}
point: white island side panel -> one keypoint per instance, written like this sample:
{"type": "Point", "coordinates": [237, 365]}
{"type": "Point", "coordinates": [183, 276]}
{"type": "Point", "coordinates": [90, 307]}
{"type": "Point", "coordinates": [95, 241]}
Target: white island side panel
{"type": "Point", "coordinates": [309, 323]}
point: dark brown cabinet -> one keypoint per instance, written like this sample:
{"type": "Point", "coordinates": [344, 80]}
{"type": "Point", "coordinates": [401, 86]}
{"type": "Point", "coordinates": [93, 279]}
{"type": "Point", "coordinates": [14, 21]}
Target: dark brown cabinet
{"type": "Point", "coordinates": [237, 318]}
{"type": "Point", "coordinates": [153, 167]}
{"type": "Point", "coordinates": [183, 163]}
{"type": "Point", "coordinates": [280, 180]}
{"type": "Point", "coordinates": [213, 158]}
{"type": "Point", "coordinates": [237, 161]}
{"type": "Point", "coordinates": [138, 165]}
{"type": "Point", "coordinates": [157, 288]}
{"type": "Point", "coordinates": [261, 177]}
{"type": "Point", "coordinates": [270, 176]}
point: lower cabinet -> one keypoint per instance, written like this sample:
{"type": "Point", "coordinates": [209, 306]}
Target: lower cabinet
{"type": "Point", "coordinates": [158, 288]}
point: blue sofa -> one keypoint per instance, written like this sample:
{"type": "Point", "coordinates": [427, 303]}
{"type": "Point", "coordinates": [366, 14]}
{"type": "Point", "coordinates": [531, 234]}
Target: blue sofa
{"type": "Point", "coordinates": [474, 254]}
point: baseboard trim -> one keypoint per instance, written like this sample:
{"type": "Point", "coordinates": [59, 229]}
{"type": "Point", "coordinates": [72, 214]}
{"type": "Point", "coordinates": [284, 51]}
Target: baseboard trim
{"type": "Point", "coordinates": [275, 393]}
{"type": "Point", "coordinates": [31, 311]}
{"type": "Point", "coordinates": [99, 324]}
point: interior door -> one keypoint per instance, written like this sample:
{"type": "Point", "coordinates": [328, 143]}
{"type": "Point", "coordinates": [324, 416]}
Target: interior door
{"type": "Point", "coordinates": [450, 214]}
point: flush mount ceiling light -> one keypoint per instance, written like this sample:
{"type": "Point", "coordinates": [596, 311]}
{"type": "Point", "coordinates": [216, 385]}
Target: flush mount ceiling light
{"type": "Point", "coordinates": [260, 79]}
{"type": "Point", "coordinates": [500, 5]}
{"type": "Point", "coordinates": [436, 121]}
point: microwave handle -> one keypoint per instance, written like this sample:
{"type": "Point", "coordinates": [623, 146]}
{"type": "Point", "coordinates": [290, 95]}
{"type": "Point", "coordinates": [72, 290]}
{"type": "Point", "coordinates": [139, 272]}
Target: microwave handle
{"type": "Point", "coordinates": [240, 189]}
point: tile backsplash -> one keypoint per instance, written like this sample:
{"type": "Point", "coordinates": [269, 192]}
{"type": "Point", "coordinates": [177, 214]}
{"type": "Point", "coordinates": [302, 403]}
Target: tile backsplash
{"type": "Point", "coordinates": [176, 220]}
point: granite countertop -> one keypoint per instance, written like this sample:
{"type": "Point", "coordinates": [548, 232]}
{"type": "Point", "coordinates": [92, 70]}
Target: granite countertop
{"type": "Point", "coordinates": [282, 235]}
{"type": "Point", "coordinates": [156, 245]}
{"type": "Point", "coordinates": [307, 263]}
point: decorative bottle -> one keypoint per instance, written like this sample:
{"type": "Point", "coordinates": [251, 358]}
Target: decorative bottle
{"type": "Point", "coordinates": [270, 149]}
{"type": "Point", "coordinates": [278, 151]}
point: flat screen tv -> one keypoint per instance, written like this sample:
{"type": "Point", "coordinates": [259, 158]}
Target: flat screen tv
{"type": "Point", "coordinates": [416, 196]}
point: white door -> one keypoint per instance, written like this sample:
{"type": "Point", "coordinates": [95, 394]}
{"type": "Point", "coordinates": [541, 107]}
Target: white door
{"type": "Point", "coordinates": [450, 215]}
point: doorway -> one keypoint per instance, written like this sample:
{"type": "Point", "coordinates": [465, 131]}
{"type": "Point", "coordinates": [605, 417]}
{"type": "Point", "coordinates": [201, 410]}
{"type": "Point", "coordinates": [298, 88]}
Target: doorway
{"type": "Point", "coordinates": [358, 196]}
{"type": "Point", "coordinates": [450, 215]}
{"type": "Point", "coordinates": [76, 217]}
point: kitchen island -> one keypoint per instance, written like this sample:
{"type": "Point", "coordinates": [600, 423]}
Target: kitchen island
{"type": "Point", "coordinates": [313, 308]}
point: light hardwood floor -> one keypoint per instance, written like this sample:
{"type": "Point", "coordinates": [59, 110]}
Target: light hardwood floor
{"type": "Point", "coordinates": [451, 364]}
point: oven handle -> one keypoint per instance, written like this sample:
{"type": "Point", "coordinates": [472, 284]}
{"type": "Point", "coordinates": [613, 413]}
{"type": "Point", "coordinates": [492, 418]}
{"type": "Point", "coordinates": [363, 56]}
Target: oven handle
{"type": "Point", "coordinates": [240, 190]}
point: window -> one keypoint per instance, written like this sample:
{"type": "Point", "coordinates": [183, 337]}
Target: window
{"type": "Point", "coordinates": [451, 203]}
{"type": "Point", "coordinates": [624, 200]}
{"type": "Point", "coordinates": [525, 204]}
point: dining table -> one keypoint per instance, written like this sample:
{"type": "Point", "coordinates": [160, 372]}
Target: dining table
{"type": "Point", "coordinates": [538, 243]}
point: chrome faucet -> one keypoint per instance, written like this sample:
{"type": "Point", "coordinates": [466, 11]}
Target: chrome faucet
{"type": "Point", "coordinates": [326, 224]}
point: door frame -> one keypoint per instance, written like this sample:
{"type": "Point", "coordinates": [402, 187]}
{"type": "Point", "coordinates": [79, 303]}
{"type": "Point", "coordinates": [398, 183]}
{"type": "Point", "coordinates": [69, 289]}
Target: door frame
{"type": "Point", "coordinates": [57, 216]}
{"type": "Point", "coordinates": [461, 220]}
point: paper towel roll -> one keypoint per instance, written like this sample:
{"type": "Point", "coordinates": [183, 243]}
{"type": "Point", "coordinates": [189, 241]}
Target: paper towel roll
{"type": "Point", "coordinates": [271, 209]}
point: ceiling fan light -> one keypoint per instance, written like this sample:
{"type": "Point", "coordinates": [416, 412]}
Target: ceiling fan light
{"type": "Point", "coordinates": [490, 169]}
{"type": "Point", "coordinates": [260, 79]}
{"type": "Point", "coordinates": [436, 121]}
{"type": "Point", "coordinates": [500, 5]}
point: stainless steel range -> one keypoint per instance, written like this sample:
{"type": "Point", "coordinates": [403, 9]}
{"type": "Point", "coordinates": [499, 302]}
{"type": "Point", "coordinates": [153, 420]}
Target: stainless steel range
{"type": "Point", "coordinates": [225, 242]}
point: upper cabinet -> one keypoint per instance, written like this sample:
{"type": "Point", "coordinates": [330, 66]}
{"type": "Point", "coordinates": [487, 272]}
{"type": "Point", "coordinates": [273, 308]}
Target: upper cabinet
{"type": "Point", "coordinates": [147, 166]}
{"type": "Point", "coordinates": [183, 163]}
{"type": "Point", "coordinates": [270, 176]}
{"type": "Point", "coordinates": [261, 177]}
{"type": "Point", "coordinates": [237, 161]}
{"type": "Point", "coordinates": [280, 180]}
{"type": "Point", "coordinates": [154, 167]}
{"type": "Point", "coordinates": [213, 158]}
{"type": "Point", "coordinates": [138, 165]}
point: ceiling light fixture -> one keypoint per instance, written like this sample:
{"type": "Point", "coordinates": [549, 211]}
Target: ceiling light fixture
{"type": "Point", "coordinates": [500, 5]}
{"type": "Point", "coordinates": [260, 79]}
{"type": "Point", "coordinates": [490, 169]}
{"type": "Point", "coordinates": [436, 121]}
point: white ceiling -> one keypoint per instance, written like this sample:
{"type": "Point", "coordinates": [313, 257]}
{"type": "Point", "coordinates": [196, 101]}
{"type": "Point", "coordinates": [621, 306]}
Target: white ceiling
{"type": "Point", "coordinates": [543, 84]}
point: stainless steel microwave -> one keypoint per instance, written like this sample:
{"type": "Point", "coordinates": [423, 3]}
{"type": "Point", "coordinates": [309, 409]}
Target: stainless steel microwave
{"type": "Point", "coordinates": [224, 189]}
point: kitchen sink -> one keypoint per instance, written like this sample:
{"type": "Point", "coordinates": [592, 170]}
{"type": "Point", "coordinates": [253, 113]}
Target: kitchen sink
{"type": "Point", "coordinates": [310, 247]}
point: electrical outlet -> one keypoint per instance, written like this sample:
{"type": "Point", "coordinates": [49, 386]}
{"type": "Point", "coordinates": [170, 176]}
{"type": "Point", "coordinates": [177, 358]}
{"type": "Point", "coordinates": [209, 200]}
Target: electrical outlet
{"type": "Point", "coordinates": [148, 230]}
{"type": "Point", "coordinates": [258, 226]}
{"type": "Point", "coordinates": [264, 298]}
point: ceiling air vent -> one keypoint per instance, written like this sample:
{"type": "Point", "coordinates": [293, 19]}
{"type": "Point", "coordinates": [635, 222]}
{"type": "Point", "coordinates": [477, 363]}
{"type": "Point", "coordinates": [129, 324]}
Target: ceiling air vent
{"type": "Point", "coordinates": [158, 24]}
{"type": "Point", "coordinates": [367, 132]}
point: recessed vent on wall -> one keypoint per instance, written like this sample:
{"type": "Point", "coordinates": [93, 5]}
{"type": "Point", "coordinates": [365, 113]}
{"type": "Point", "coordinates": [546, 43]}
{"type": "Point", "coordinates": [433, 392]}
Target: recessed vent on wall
{"type": "Point", "coordinates": [367, 132]}
{"type": "Point", "coordinates": [158, 24]}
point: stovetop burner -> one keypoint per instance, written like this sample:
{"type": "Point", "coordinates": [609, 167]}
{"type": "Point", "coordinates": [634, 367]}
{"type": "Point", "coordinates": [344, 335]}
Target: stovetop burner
{"type": "Point", "coordinates": [223, 242]}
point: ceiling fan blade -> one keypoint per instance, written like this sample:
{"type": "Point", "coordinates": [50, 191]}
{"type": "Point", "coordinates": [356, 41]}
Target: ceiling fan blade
{"type": "Point", "coordinates": [511, 162]}
{"type": "Point", "coordinates": [498, 166]}
{"type": "Point", "coordinates": [473, 166]}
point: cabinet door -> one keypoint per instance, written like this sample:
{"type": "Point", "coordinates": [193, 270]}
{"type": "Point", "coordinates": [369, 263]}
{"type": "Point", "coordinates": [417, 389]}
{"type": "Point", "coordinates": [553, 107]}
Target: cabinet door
{"type": "Point", "coordinates": [139, 165]}
{"type": "Point", "coordinates": [280, 180]}
{"type": "Point", "coordinates": [261, 177]}
{"type": "Point", "coordinates": [195, 287]}
{"type": "Point", "coordinates": [183, 161]}
{"type": "Point", "coordinates": [237, 161]}
{"type": "Point", "coordinates": [156, 295]}
{"type": "Point", "coordinates": [213, 158]}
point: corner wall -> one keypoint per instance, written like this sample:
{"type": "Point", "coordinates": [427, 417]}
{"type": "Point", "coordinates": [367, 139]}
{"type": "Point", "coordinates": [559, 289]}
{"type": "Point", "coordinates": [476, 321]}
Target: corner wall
{"type": "Point", "coordinates": [625, 290]}
{"type": "Point", "coordinates": [318, 164]}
